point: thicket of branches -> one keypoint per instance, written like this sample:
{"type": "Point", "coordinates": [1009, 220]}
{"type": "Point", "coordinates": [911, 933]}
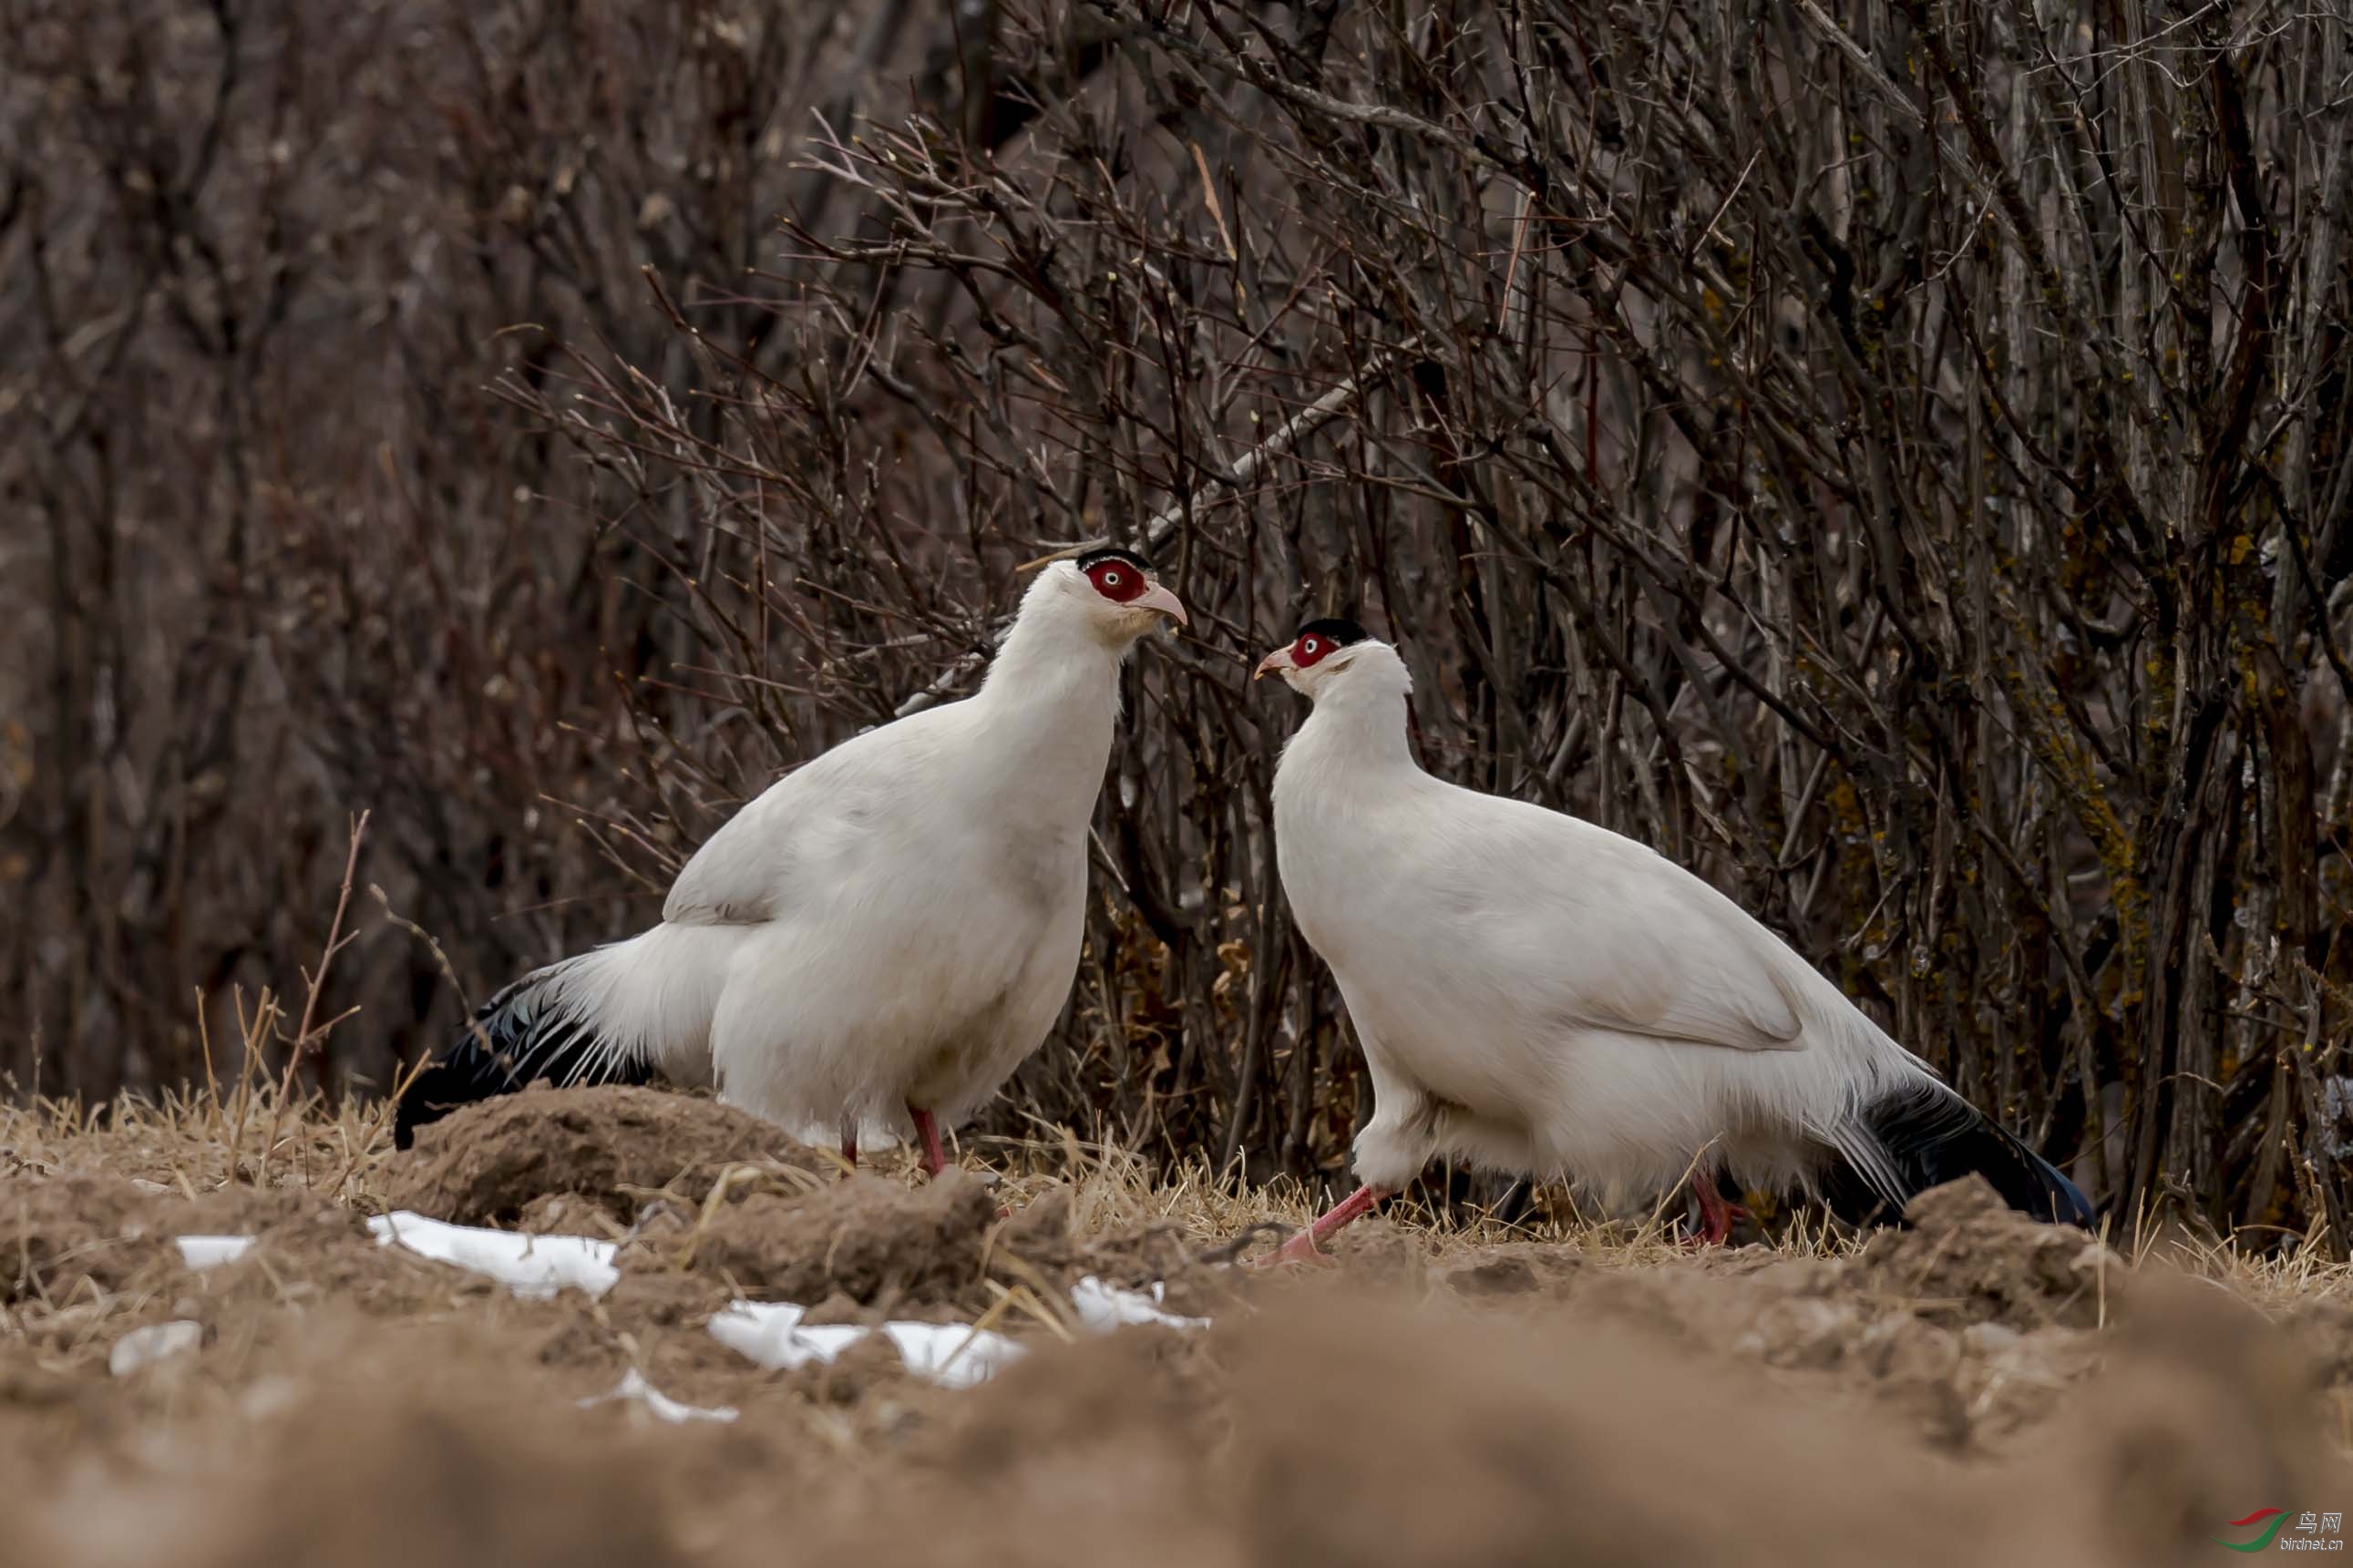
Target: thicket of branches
{"type": "Point", "coordinates": [1891, 456]}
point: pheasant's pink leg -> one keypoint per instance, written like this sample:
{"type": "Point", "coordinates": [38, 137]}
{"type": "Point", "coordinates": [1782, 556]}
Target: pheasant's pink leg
{"type": "Point", "coordinates": [1309, 1243]}
{"type": "Point", "coordinates": [1715, 1214]}
{"type": "Point", "coordinates": [934, 1161]}
{"type": "Point", "coordinates": [849, 1153]}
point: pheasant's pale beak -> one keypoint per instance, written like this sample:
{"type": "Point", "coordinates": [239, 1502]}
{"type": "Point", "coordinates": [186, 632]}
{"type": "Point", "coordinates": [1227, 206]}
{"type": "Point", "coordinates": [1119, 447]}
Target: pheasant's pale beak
{"type": "Point", "coordinates": [1159, 598]}
{"type": "Point", "coordinates": [1273, 663]}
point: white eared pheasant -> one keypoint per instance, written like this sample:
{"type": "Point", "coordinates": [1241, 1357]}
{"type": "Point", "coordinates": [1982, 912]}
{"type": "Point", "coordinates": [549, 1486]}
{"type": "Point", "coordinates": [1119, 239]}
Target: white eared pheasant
{"type": "Point", "coordinates": [1539, 995]}
{"type": "Point", "coordinates": [882, 936]}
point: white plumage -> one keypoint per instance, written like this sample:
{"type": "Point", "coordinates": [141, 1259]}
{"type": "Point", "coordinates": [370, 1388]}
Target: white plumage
{"type": "Point", "coordinates": [881, 936]}
{"type": "Point", "coordinates": [1537, 994]}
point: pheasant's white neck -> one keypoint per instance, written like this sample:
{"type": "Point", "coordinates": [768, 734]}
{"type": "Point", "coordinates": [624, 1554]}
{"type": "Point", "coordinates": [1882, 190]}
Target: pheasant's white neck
{"type": "Point", "coordinates": [1358, 731]}
{"type": "Point", "coordinates": [1049, 705]}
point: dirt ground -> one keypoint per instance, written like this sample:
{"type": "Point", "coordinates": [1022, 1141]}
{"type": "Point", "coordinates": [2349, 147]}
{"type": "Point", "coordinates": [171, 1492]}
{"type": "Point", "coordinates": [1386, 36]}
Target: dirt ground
{"type": "Point", "coordinates": [1972, 1389]}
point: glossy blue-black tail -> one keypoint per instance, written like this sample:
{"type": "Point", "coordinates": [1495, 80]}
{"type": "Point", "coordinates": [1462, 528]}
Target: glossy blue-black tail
{"type": "Point", "coordinates": [1930, 1136]}
{"type": "Point", "coordinates": [524, 1034]}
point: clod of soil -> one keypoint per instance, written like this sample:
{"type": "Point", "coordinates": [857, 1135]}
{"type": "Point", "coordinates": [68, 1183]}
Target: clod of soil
{"type": "Point", "coordinates": [1966, 1258]}
{"type": "Point", "coordinates": [411, 1482]}
{"type": "Point", "coordinates": [58, 1232]}
{"type": "Point", "coordinates": [1041, 1236]}
{"type": "Point", "coordinates": [872, 1241]}
{"type": "Point", "coordinates": [2202, 1403]}
{"type": "Point", "coordinates": [1336, 1426]}
{"type": "Point", "coordinates": [1106, 1439]}
{"type": "Point", "coordinates": [567, 1214]}
{"type": "Point", "coordinates": [619, 1145]}
{"type": "Point", "coordinates": [1519, 1271]}
{"type": "Point", "coordinates": [253, 1211]}
{"type": "Point", "coordinates": [1378, 1250]}
{"type": "Point", "coordinates": [1039, 1231]}
{"type": "Point", "coordinates": [1601, 1446]}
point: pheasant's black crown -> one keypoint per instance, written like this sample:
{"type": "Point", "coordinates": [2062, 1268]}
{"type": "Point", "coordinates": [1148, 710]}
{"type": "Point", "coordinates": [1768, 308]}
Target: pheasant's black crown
{"type": "Point", "coordinates": [1337, 631]}
{"type": "Point", "coordinates": [1113, 553]}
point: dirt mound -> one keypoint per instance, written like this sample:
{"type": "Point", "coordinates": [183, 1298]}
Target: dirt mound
{"type": "Point", "coordinates": [1962, 1388]}
{"type": "Point", "coordinates": [505, 1492]}
{"type": "Point", "coordinates": [1334, 1430]}
{"type": "Point", "coordinates": [1966, 1389]}
{"type": "Point", "coordinates": [1080, 1456]}
{"type": "Point", "coordinates": [1606, 1446]}
{"type": "Point", "coordinates": [1041, 1233]}
{"type": "Point", "coordinates": [1335, 1423]}
{"type": "Point", "coordinates": [875, 1242]}
{"type": "Point", "coordinates": [2206, 1413]}
{"type": "Point", "coordinates": [617, 1145]}
{"type": "Point", "coordinates": [1505, 1271]}
{"type": "Point", "coordinates": [368, 1476]}
{"type": "Point", "coordinates": [60, 1235]}
{"type": "Point", "coordinates": [1041, 1241]}
{"type": "Point", "coordinates": [1966, 1257]}
{"type": "Point", "coordinates": [253, 1211]}
{"type": "Point", "coordinates": [1531, 1402]}
{"type": "Point", "coordinates": [569, 1213]}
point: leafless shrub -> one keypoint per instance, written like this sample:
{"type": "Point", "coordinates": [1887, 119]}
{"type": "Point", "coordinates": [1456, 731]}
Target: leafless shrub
{"type": "Point", "coordinates": [1889, 456]}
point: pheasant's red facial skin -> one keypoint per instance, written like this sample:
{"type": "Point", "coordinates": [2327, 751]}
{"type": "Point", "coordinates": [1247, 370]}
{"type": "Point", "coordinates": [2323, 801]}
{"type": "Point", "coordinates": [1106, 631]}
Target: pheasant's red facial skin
{"type": "Point", "coordinates": [1319, 641]}
{"type": "Point", "coordinates": [1124, 579]}
{"type": "Point", "coordinates": [1117, 580]}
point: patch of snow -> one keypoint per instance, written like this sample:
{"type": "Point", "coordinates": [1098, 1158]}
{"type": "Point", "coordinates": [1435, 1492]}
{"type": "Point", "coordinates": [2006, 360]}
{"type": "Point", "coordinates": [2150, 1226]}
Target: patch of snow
{"type": "Point", "coordinates": [634, 1389]}
{"type": "Point", "coordinates": [953, 1355]}
{"type": "Point", "coordinates": [212, 1251]}
{"type": "Point", "coordinates": [771, 1333]}
{"type": "Point", "coordinates": [534, 1266]}
{"type": "Point", "coordinates": [1103, 1307]}
{"type": "Point", "coordinates": [142, 1348]}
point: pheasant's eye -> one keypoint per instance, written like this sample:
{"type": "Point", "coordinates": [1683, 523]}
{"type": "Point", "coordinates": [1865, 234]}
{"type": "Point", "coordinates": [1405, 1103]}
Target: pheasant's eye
{"type": "Point", "coordinates": [1319, 641]}
{"type": "Point", "coordinates": [1116, 581]}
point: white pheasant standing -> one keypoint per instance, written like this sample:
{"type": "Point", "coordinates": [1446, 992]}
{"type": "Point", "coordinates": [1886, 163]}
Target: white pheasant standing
{"type": "Point", "coordinates": [1540, 995]}
{"type": "Point", "coordinates": [882, 936]}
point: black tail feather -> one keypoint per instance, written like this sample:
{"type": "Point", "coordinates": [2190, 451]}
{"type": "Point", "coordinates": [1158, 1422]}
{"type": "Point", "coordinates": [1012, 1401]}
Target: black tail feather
{"type": "Point", "coordinates": [1933, 1136]}
{"type": "Point", "coordinates": [515, 1038]}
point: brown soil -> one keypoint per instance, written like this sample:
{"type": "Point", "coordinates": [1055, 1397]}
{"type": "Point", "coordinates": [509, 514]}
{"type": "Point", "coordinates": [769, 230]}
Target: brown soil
{"type": "Point", "coordinates": [1973, 1389]}
{"type": "Point", "coordinates": [71, 1229]}
{"type": "Point", "coordinates": [620, 1147]}
{"type": "Point", "coordinates": [876, 1242]}
{"type": "Point", "coordinates": [1964, 1260]}
{"type": "Point", "coordinates": [389, 1481]}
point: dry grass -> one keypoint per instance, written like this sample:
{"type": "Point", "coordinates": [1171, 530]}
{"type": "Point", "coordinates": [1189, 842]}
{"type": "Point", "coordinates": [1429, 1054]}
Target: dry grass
{"type": "Point", "coordinates": [260, 1135]}
{"type": "Point", "coordinates": [1913, 1363]}
{"type": "Point", "coordinates": [257, 1132]}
